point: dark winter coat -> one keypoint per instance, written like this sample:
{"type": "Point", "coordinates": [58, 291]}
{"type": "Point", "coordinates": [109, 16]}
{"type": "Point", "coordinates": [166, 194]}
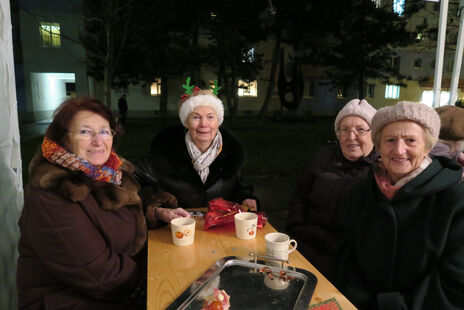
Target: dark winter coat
{"type": "Point", "coordinates": [170, 169]}
{"type": "Point", "coordinates": [79, 240]}
{"type": "Point", "coordinates": [311, 215]}
{"type": "Point", "coordinates": [408, 252]}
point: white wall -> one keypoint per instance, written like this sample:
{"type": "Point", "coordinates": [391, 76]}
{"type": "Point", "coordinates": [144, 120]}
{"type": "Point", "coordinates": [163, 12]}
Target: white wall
{"type": "Point", "coordinates": [11, 190]}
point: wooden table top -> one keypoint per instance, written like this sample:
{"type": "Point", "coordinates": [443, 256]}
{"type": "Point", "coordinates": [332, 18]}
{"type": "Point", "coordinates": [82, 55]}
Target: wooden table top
{"type": "Point", "coordinates": [172, 269]}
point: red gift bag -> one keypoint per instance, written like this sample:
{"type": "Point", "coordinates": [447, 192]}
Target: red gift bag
{"type": "Point", "coordinates": [221, 212]}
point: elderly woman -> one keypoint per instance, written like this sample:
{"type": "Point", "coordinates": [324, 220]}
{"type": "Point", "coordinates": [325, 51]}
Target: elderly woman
{"type": "Point", "coordinates": [196, 162]}
{"type": "Point", "coordinates": [406, 219]}
{"type": "Point", "coordinates": [83, 229]}
{"type": "Point", "coordinates": [312, 209]}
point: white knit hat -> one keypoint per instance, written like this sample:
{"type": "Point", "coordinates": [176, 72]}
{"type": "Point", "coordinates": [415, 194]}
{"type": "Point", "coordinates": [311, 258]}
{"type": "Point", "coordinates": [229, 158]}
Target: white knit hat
{"type": "Point", "coordinates": [203, 99]}
{"type": "Point", "coordinates": [408, 111]}
{"type": "Point", "coordinates": [355, 107]}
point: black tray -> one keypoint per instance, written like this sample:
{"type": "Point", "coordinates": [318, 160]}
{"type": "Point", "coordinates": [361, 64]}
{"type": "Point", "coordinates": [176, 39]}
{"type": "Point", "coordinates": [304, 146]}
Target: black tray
{"type": "Point", "coordinates": [249, 287]}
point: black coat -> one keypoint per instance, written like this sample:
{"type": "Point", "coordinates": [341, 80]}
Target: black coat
{"type": "Point", "coordinates": [312, 210]}
{"type": "Point", "coordinates": [170, 169]}
{"type": "Point", "coordinates": [407, 252]}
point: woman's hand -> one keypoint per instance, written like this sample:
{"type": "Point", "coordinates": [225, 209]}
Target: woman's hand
{"type": "Point", "coordinates": [251, 204]}
{"type": "Point", "coordinates": [460, 159]}
{"type": "Point", "coordinates": [166, 215]}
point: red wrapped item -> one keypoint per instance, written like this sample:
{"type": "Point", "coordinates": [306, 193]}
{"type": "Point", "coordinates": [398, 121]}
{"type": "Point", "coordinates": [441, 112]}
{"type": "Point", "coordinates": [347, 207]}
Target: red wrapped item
{"type": "Point", "coordinates": [221, 212]}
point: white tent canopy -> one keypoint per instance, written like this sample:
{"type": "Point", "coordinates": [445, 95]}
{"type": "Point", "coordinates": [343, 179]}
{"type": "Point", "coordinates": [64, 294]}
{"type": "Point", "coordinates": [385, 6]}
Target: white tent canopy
{"type": "Point", "coordinates": [11, 188]}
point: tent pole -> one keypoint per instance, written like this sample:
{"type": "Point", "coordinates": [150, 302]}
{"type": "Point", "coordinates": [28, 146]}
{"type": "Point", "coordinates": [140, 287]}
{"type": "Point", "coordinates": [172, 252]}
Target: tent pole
{"type": "Point", "coordinates": [440, 53]}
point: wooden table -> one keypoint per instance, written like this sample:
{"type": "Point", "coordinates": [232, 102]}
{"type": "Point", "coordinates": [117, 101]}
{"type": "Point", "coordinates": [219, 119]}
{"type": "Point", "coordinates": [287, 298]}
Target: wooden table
{"type": "Point", "coordinates": [171, 269]}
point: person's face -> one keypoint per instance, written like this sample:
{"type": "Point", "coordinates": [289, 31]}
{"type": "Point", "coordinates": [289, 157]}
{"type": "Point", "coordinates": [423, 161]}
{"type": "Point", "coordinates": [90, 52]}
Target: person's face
{"type": "Point", "coordinates": [90, 137]}
{"type": "Point", "coordinates": [203, 125]}
{"type": "Point", "coordinates": [402, 148]}
{"type": "Point", "coordinates": [355, 137]}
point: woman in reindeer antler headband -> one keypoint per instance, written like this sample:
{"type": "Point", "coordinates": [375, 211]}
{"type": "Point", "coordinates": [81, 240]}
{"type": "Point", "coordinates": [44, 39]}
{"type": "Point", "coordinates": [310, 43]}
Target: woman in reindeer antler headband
{"type": "Point", "coordinates": [199, 161]}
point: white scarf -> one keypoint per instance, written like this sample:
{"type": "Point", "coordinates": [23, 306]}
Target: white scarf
{"type": "Point", "coordinates": [202, 161]}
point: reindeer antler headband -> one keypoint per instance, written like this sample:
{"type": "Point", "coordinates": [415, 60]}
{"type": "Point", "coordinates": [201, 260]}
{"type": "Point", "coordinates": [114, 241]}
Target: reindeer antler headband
{"type": "Point", "coordinates": [195, 97]}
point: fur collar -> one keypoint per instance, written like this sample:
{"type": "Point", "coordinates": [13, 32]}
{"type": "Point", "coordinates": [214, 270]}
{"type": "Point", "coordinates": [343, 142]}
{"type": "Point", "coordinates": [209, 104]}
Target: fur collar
{"type": "Point", "coordinates": [75, 186]}
{"type": "Point", "coordinates": [170, 153]}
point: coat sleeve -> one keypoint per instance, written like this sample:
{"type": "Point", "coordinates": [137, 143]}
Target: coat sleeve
{"type": "Point", "coordinates": [242, 192]}
{"type": "Point", "coordinates": [66, 241]}
{"type": "Point", "coordinates": [298, 213]}
{"type": "Point", "coordinates": [442, 287]}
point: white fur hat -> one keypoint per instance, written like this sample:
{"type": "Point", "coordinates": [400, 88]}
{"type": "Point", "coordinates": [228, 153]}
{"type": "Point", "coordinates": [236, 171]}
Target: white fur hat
{"type": "Point", "coordinates": [201, 100]}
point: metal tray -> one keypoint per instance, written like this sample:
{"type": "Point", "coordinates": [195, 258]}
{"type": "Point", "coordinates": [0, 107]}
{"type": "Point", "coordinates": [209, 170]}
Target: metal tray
{"type": "Point", "coordinates": [249, 288]}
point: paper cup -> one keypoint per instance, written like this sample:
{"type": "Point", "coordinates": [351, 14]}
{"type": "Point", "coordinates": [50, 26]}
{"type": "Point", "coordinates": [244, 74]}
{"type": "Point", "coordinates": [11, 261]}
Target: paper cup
{"type": "Point", "coordinates": [277, 245]}
{"type": "Point", "coordinates": [183, 231]}
{"type": "Point", "coordinates": [245, 225]}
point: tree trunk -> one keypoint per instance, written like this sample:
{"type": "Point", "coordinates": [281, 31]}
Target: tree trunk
{"type": "Point", "coordinates": [362, 90]}
{"type": "Point", "coordinates": [230, 99]}
{"type": "Point", "coordinates": [164, 97]}
{"type": "Point", "coordinates": [108, 63]}
{"type": "Point", "coordinates": [270, 88]}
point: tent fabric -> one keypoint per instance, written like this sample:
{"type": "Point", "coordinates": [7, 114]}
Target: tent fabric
{"type": "Point", "coordinates": [11, 187]}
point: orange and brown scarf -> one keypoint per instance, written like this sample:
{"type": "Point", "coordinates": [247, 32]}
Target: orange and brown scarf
{"type": "Point", "coordinates": [110, 171]}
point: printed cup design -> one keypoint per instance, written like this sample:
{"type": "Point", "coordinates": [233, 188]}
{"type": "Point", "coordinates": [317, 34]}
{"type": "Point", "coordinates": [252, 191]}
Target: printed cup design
{"type": "Point", "coordinates": [277, 245]}
{"type": "Point", "coordinates": [183, 231]}
{"type": "Point", "coordinates": [246, 224]}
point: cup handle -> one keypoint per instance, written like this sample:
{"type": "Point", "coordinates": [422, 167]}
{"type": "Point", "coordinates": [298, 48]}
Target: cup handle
{"type": "Point", "coordinates": [294, 245]}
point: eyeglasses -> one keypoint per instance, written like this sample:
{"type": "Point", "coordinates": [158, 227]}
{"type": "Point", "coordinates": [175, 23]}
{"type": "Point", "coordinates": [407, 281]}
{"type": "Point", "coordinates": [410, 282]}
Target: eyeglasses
{"type": "Point", "coordinates": [88, 134]}
{"type": "Point", "coordinates": [344, 132]}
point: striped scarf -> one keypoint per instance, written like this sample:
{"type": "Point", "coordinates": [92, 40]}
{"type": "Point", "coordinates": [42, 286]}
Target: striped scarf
{"type": "Point", "coordinates": [110, 171]}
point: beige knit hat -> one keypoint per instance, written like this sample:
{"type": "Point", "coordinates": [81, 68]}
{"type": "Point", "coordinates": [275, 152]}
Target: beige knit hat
{"type": "Point", "coordinates": [452, 122]}
{"type": "Point", "coordinates": [407, 111]}
{"type": "Point", "coordinates": [355, 107]}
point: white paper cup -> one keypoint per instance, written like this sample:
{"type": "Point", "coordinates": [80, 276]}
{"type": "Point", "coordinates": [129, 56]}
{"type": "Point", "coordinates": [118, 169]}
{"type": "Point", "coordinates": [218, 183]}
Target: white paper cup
{"type": "Point", "coordinates": [245, 225]}
{"type": "Point", "coordinates": [183, 231]}
{"type": "Point", "coordinates": [277, 245]}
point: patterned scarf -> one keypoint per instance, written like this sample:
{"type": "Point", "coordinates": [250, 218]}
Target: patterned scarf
{"type": "Point", "coordinates": [110, 171]}
{"type": "Point", "coordinates": [202, 161]}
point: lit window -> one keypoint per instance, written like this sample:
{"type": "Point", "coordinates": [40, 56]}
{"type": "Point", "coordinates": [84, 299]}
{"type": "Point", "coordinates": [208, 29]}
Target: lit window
{"type": "Point", "coordinates": [50, 34]}
{"type": "Point", "coordinates": [392, 91]}
{"type": "Point", "coordinates": [427, 97]}
{"type": "Point", "coordinates": [419, 36]}
{"type": "Point", "coordinates": [249, 89]}
{"type": "Point", "coordinates": [398, 7]}
{"type": "Point", "coordinates": [249, 55]}
{"type": "Point", "coordinates": [155, 88]}
{"type": "Point", "coordinates": [308, 89]}
{"type": "Point", "coordinates": [377, 3]}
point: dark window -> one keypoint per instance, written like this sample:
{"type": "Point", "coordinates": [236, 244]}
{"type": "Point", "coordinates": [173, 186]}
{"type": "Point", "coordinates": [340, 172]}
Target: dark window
{"type": "Point", "coordinates": [371, 90]}
{"type": "Point", "coordinates": [396, 63]}
{"type": "Point", "coordinates": [342, 92]}
{"type": "Point", "coordinates": [418, 63]}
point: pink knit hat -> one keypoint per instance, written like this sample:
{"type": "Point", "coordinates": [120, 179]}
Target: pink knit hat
{"type": "Point", "coordinates": [417, 112]}
{"type": "Point", "coordinates": [355, 107]}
